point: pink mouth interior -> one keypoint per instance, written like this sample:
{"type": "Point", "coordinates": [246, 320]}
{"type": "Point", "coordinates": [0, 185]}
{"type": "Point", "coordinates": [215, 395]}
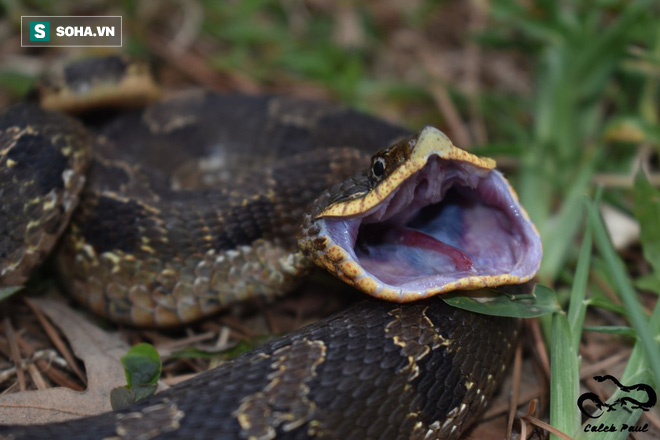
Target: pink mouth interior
{"type": "Point", "coordinates": [448, 221]}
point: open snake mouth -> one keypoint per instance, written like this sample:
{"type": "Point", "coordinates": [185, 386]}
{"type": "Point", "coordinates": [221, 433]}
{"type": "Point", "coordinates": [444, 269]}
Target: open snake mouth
{"type": "Point", "coordinates": [451, 224]}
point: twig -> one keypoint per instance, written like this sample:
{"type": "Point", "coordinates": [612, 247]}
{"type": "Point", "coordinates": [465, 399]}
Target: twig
{"type": "Point", "coordinates": [543, 425]}
{"type": "Point", "coordinates": [194, 66]}
{"type": "Point", "coordinates": [15, 353]}
{"type": "Point", "coordinates": [515, 392]}
{"type": "Point", "coordinates": [439, 92]}
{"type": "Point", "coordinates": [539, 346]}
{"type": "Point", "coordinates": [58, 377]}
{"type": "Point", "coordinates": [604, 364]}
{"type": "Point", "coordinates": [478, 13]}
{"type": "Point", "coordinates": [56, 340]}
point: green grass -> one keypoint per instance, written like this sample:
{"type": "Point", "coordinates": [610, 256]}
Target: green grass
{"type": "Point", "coordinates": [584, 86]}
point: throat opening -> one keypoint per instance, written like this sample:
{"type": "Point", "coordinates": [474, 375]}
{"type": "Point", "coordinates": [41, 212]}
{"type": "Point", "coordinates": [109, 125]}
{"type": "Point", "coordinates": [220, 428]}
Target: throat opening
{"type": "Point", "coordinates": [464, 234]}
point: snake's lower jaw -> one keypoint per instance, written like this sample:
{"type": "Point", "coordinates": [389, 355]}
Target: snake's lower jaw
{"type": "Point", "coordinates": [450, 226]}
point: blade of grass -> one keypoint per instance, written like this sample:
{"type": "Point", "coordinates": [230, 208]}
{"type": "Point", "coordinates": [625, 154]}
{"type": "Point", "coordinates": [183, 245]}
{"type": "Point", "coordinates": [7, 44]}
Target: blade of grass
{"type": "Point", "coordinates": [561, 237]}
{"type": "Point", "coordinates": [647, 211]}
{"type": "Point", "coordinates": [648, 104]}
{"type": "Point", "coordinates": [564, 378]}
{"type": "Point", "coordinates": [6, 292]}
{"type": "Point", "coordinates": [626, 292]}
{"type": "Point", "coordinates": [612, 330]}
{"type": "Point", "coordinates": [577, 307]}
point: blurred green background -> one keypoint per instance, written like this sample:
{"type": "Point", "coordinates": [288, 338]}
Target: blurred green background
{"type": "Point", "coordinates": [564, 94]}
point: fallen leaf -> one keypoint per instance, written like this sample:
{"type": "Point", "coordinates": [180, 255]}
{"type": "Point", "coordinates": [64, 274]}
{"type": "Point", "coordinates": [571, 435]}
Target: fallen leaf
{"type": "Point", "coordinates": [101, 353]}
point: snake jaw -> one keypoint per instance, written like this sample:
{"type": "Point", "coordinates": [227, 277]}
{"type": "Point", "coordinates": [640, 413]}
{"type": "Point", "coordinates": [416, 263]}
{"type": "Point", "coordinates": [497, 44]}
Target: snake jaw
{"type": "Point", "coordinates": [443, 220]}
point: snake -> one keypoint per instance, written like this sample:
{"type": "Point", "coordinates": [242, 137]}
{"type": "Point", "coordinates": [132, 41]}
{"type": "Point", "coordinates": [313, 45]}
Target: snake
{"type": "Point", "coordinates": [159, 214]}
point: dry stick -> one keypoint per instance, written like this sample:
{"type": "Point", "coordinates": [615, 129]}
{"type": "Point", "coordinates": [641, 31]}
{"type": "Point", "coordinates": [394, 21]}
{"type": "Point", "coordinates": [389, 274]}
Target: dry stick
{"type": "Point", "coordinates": [611, 293]}
{"type": "Point", "coordinates": [56, 340]}
{"type": "Point", "coordinates": [272, 324]}
{"type": "Point", "coordinates": [58, 377]}
{"type": "Point", "coordinates": [523, 429]}
{"type": "Point", "coordinates": [612, 180]}
{"type": "Point", "coordinates": [7, 374]}
{"type": "Point", "coordinates": [223, 337]}
{"type": "Point", "coordinates": [4, 348]}
{"type": "Point", "coordinates": [653, 420]}
{"type": "Point", "coordinates": [174, 344]}
{"type": "Point", "coordinates": [539, 347]}
{"type": "Point", "coordinates": [531, 409]}
{"type": "Point", "coordinates": [37, 378]}
{"type": "Point", "coordinates": [195, 68]}
{"type": "Point", "coordinates": [641, 161]}
{"type": "Point", "coordinates": [515, 394]}
{"type": "Point", "coordinates": [478, 12]}
{"type": "Point", "coordinates": [15, 354]}
{"type": "Point", "coordinates": [237, 327]}
{"type": "Point", "coordinates": [439, 92]}
{"type": "Point", "coordinates": [12, 388]}
{"type": "Point", "coordinates": [543, 425]}
{"type": "Point", "coordinates": [34, 373]}
{"type": "Point", "coordinates": [193, 16]}
{"type": "Point", "coordinates": [503, 407]}
{"type": "Point", "coordinates": [604, 364]}
{"type": "Point", "coordinates": [174, 380]}
{"type": "Point", "coordinates": [446, 106]}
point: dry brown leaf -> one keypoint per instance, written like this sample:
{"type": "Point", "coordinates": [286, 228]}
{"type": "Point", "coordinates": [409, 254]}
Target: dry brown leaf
{"type": "Point", "coordinates": [99, 350]}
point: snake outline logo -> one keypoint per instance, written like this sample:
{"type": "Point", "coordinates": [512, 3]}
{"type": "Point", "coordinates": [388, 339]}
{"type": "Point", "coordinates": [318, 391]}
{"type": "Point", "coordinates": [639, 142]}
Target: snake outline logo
{"type": "Point", "coordinates": [621, 402]}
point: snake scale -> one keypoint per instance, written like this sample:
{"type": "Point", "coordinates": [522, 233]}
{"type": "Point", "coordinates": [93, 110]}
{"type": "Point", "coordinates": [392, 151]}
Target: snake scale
{"type": "Point", "coordinates": [205, 199]}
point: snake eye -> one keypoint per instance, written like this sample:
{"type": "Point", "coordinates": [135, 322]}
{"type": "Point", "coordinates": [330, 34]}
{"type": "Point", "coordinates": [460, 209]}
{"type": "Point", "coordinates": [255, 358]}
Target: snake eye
{"type": "Point", "coordinates": [378, 168]}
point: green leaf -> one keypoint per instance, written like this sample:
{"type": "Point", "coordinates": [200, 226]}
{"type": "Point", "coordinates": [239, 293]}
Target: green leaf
{"type": "Point", "coordinates": [142, 365]}
{"type": "Point", "coordinates": [613, 330]}
{"type": "Point", "coordinates": [647, 211]}
{"type": "Point", "coordinates": [606, 303]}
{"type": "Point", "coordinates": [123, 397]}
{"type": "Point", "coordinates": [6, 292]}
{"type": "Point", "coordinates": [240, 348]}
{"type": "Point", "coordinates": [245, 346]}
{"type": "Point", "coordinates": [649, 282]}
{"type": "Point", "coordinates": [500, 302]}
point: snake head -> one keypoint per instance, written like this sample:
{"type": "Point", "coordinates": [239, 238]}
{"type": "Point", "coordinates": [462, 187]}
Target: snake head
{"type": "Point", "coordinates": [426, 218]}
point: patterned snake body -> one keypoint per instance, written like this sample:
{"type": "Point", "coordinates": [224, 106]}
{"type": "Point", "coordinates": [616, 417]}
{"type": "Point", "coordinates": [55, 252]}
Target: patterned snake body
{"type": "Point", "coordinates": [196, 202]}
{"type": "Point", "coordinates": [185, 253]}
{"type": "Point", "coordinates": [377, 370]}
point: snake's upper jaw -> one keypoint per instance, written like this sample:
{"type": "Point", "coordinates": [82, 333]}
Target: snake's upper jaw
{"type": "Point", "coordinates": [442, 219]}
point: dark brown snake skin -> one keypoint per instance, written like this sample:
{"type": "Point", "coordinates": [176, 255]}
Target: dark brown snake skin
{"type": "Point", "coordinates": [376, 370]}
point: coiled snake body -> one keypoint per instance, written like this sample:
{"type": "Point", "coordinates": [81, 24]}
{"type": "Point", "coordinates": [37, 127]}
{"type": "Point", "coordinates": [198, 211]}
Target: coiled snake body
{"type": "Point", "coordinates": [197, 201]}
